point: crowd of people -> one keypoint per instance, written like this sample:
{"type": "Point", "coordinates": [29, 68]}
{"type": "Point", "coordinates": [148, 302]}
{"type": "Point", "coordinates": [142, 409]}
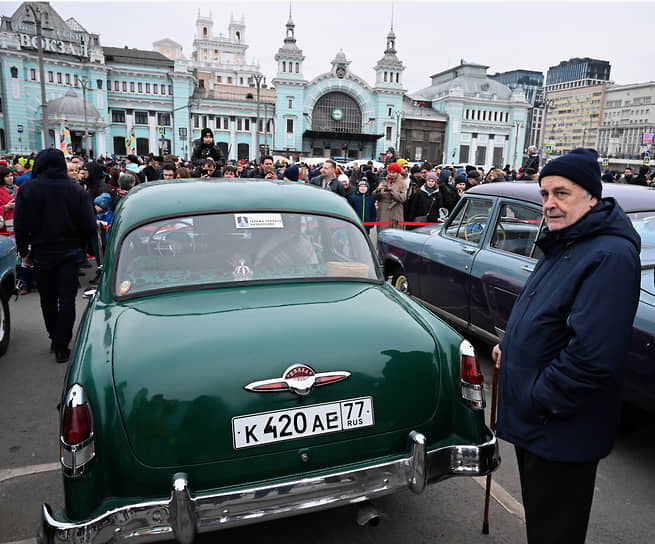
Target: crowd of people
{"type": "Point", "coordinates": [559, 394]}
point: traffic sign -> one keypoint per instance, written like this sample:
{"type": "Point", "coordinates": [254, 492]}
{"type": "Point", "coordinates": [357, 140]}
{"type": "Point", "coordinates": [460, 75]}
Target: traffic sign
{"type": "Point", "coordinates": [606, 162]}
{"type": "Point", "coordinates": [548, 148]}
{"type": "Point", "coordinates": [162, 130]}
{"type": "Point", "coordinates": [20, 128]}
{"type": "Point", "coordinates": [646, 161]}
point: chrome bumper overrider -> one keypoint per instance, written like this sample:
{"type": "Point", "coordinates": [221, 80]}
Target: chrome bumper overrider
{"type": "Point", "coordinates": [184, 515]}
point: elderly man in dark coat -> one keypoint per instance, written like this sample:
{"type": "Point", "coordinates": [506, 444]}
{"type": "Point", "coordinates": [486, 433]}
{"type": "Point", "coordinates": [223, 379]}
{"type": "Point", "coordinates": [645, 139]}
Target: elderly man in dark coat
{"type": "Point", "coordinates": [561, 358]}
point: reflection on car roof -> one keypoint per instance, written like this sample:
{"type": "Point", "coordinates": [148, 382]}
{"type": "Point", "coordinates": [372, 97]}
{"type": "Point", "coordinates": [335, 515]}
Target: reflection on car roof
{"type": "Point", "coordinates": [632, 198]}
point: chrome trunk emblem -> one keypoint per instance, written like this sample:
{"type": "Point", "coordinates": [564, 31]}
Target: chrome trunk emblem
{"type": "Point", "coordinates": [298, 379]}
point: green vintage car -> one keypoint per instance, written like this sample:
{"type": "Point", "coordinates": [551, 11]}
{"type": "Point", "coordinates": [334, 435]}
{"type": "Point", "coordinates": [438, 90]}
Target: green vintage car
{"type": "Point", "coordinates": [244, 360]}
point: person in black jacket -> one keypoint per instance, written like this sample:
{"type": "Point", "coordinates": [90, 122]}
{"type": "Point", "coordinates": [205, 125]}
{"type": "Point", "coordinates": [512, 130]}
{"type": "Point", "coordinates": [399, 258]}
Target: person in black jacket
{"type": "Point", "coordinates": [364, 204]}
{"type": "Point", "coordinates": [53, 220]}
{"type": "Point", "coordinates": [562, 355]}
{"type": "Point", "coordinates": [426, 202]}
{"type": "Point", "coordinates": [533, 158]}
{"type": "Point", "coordinates": [205, 148]}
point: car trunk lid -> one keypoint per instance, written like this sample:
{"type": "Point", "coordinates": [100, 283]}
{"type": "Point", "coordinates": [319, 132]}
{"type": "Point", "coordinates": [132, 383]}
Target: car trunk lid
{"type": "Point", "coordinates": [181, 368]}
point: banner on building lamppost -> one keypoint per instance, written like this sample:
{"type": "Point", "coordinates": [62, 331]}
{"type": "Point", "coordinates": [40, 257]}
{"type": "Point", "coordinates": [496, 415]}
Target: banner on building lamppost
{"type": "Point", "coordinates": [65, 140]}
{"type": "Point", "coordinates": [130, 143]}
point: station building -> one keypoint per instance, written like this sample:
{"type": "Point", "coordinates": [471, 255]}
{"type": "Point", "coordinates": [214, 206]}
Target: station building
{"type": "Point", "coordinates": [337, 113]}
{"type": "Point", "coordinates": [230, 96]}
{"type": "Point", "coordinates": [486, 119]}
{"type": "Point", "coordinates": [107, 93]}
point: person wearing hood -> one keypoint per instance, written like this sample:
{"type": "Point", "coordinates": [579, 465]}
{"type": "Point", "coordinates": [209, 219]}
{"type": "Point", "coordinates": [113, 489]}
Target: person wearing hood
{"type": "Point", "coordinates": [364, 204]}
{"type": "Point", "coordinates": [53, 219]}
{"type": "Point", "coordinates": [95, 180]}
{"type": "Point", "coordinates": [450, 197]}
{"type": "Point", "coordinates": [425, 204]}
{"type": "Point", "coordinates": [562, 354]}
{"type": "Point", "coordinates": [205, 148]}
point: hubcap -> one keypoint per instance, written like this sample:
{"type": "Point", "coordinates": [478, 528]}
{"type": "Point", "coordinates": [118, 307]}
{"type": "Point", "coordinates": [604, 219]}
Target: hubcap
{"type": "Point", "coordinates": [402, 284]}
{"type": "Point", "coordinates": [2, 322]}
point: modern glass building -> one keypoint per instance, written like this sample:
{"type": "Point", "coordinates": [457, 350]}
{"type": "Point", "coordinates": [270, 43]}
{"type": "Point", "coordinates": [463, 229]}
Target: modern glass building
{"type": "Point", "coordinates": [528, 80]}
{"type": "Point", "coordinates": [576, 69]}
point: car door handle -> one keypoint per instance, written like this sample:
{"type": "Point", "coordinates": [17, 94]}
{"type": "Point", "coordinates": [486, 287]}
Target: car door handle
{"type": "Point", "coordinates": [527, 268]}
{"type": "Point", "coordinates": [469, 250]}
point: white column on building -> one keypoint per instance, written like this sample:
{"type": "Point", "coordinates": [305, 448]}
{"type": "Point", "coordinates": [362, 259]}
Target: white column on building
{"type": "Point", "coordinates": [233, 138]}
{"type": "Point", "coordinates": [101, 142]}
{"type": "Point", "coordinates": [152, 128]}
{"type": "Point", "coordinates": [253, 139]}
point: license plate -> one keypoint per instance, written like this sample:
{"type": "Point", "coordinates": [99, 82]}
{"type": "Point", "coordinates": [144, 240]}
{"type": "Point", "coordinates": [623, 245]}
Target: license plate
{"type": "Point", "coordinates": [281, 425]}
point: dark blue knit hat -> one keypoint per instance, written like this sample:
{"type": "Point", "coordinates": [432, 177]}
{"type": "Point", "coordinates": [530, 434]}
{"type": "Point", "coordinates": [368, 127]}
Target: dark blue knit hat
{"type": "Point", "coordinates": [292, 173]}
{"type": "Point", "coordinates": [580, 166]}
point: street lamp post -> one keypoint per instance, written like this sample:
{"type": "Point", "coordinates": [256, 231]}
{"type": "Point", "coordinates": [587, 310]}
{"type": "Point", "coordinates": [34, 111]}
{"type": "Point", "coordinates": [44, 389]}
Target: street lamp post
{"type": "Point", "coordinates": [398, 114]}
{"type": "Point", "coordinates": [36, 13]}
{"type": "Point", "coordinates": [517, 127]}
{"type": "Point", "coordinates": [257, 77]}
{"type": "Point", "coordinates": [547, 104]}
{"type": "Point", "coordinates": [84, 83]}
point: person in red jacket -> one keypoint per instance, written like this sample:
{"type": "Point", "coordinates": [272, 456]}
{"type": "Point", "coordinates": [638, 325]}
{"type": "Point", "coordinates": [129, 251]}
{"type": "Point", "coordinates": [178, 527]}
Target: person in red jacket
{"type": "Point", "coordinates": [8, 190]}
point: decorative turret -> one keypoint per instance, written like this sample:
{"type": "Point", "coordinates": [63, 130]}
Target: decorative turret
{"type": "Point", "coordinates": [237, 30]}
{"type": "Point", "coordinates": [204, 27]}
{"type": "Point", "coordinates": [389, 68]}
{"type": "Point", "coordinates": [340, 65]}
{"type": "Point", "coordinates": [289, 57]}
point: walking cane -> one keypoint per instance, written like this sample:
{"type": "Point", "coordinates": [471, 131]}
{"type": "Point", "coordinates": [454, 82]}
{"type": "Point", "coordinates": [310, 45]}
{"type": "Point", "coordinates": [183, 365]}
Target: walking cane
{"type": "Point", "coordinates": [492, 426]}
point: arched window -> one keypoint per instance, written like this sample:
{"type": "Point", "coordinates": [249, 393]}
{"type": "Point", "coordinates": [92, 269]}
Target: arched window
{"type": "Point", "coordinates": [337, 112]}
{"type": "Point", "coordinates": [204, 31]}
{"type": "Point", "coordinates": [238, 35]}
{"type": "Point", "coordinates": [14, 72]}
{"type": "Point", "coordinates": [284, 66]}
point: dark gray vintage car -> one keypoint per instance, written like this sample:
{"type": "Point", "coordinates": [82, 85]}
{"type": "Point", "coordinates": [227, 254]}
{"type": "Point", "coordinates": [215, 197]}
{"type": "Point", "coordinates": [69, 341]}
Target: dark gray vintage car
{"type": "Point", "coordinates": [470, 270]}
{"type": "Point", "coordinates": [7, 288]}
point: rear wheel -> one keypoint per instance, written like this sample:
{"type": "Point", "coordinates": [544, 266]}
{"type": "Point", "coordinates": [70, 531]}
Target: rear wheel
{"type": "Point", "coordinates": [400, 282]}
{"type": "Point", "coordinates": [5, 321]}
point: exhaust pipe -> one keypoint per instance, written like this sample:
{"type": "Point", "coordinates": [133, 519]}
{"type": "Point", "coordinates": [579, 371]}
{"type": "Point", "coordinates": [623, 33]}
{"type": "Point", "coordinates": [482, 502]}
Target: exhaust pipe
{"type": "Point", "coordinates": [367, 514]}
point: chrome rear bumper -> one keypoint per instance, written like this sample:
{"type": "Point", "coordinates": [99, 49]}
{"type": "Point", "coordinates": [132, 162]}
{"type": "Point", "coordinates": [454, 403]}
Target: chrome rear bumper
{"type": "Point", "coordinates": [184, 515]}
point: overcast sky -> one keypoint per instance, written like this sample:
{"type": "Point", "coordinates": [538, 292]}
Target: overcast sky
{"type": "Point", "coordinates": [430, 36]}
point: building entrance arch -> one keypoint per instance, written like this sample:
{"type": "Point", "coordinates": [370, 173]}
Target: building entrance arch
{"type": "Point", "coordinates": [337, 112]}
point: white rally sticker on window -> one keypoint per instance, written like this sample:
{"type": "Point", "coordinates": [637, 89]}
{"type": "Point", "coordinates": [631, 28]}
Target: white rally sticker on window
{"type": "Point", "coordinates": [258, 221]}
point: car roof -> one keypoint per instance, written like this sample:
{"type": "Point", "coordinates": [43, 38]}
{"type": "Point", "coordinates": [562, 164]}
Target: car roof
{"type": "Point", "coordinates": [192, 196]}
{"type": "Point", "coordinates": [632, 198]}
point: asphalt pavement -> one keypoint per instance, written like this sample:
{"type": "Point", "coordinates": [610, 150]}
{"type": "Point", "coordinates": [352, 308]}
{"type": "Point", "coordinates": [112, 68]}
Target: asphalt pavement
{"type": "Point", "coordinates": [450, 512]}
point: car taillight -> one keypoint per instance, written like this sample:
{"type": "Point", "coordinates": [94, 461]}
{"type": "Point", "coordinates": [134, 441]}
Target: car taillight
{"type": "Point", "coordinates": [76, 436]}
{"type": "Point", "coordinates": [470, 378]}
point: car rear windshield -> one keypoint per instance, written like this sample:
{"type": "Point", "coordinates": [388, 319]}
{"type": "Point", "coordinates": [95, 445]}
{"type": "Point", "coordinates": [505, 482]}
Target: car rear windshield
{"type": "Point", "coordinates": [202, 250]}
{"type": "Point", "coordinates": [644, 224]}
